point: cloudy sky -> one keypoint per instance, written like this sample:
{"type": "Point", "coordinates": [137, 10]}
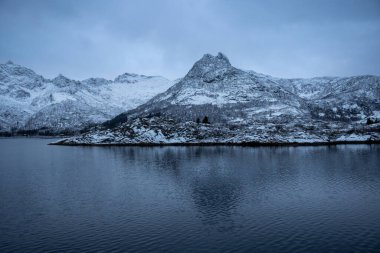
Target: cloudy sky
{"type": "Point", "coordinates": [81, 39]}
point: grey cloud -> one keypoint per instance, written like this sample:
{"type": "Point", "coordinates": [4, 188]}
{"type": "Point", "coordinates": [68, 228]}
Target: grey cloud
{"type": "Point", "coordinates": [105, 38]}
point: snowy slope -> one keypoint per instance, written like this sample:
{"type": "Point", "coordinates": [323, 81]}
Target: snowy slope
{"type": "Point", "coordinates": [28, 101]}
{"type": "Point", "coordinates": [215, 88]}
{"type": "Point", "coordinates": [245, 106]}
{"type": "Point", "coordinates": [228, 95]}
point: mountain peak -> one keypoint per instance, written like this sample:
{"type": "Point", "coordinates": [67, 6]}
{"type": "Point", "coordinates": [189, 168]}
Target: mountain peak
{"type": "Point", "coordinates": [220, 60]}
{"type": "Point", "coordinates": [223, 57]}
{"type": "Point", "coordinates": [63, 81]}
{"type": "Point", "coordinates": [129, 78]}
{"type": "Point", "coordinates": [209, 63]}
{"type": "Point", "coordinates": [11, 69]}
{"type": "Point", "coordinates": [61, 77]}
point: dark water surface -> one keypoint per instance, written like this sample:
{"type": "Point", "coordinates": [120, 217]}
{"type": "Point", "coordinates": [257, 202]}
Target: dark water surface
{"type": "Point", "coordinates": [188, 199]}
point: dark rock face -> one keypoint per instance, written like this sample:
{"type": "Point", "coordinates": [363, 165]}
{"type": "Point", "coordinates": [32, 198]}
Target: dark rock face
{"type": "Point", "coordinates": [62, 81]}
{"type": "Point", "coordinates": [130, 78]}
{"type": "Point", "coordinates": [210, 68]}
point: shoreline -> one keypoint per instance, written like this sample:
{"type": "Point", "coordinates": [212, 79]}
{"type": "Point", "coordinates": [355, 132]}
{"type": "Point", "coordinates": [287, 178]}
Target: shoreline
{"type": "Point", "coordinates": [243, 144]}
{"type": "Point", "coordinates": [34, 136]}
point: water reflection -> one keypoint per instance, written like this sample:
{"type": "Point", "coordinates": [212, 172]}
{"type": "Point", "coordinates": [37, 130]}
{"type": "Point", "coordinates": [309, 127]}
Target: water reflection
{"type": "Point", "coordinates": [219, 179]}
{"type": "Point", "coordinates": [204, 174]}
{"type": "Point", "coordinates": [173, 199]}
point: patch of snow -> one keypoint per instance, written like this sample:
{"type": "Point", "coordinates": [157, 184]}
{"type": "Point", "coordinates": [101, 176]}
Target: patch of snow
{"type": "Point", "coordinates": [354, 137]}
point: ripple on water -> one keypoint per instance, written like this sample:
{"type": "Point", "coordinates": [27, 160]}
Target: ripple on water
{"type": "Point", "coordinates": [188, 199]}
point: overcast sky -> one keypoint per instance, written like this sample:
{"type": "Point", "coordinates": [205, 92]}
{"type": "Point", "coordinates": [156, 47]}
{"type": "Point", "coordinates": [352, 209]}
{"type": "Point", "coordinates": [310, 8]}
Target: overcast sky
{"type": "Point", "coordinates": [82, 39]}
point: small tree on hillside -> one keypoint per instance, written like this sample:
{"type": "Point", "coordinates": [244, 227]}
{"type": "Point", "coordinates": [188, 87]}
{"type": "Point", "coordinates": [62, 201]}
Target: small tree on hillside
{"type": "Point", "coordinates": [198, 121]}
{"type": "Point", "coordinates": [205, 120]}
{"type": "Point", "coordinates": [370, 121]}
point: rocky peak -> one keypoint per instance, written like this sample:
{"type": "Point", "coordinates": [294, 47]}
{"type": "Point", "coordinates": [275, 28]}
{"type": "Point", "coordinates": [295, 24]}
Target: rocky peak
{"type": "Point", "coordinates": [211, 68]}
{"type": "Point", "coordinates": [62, 81]}
{"type": "Point", "coordinates": [13, 69]}
{"type": "Point", "coordinates": [210, 64]}
{"type": "Point", "coordinates": [223, 57]}
{"type": "Point", "coordinates": [129, 78]}
{"type": "Point", "coordinates": [10, 72]}
{"type": "Point", "coordinates": [96, 81]}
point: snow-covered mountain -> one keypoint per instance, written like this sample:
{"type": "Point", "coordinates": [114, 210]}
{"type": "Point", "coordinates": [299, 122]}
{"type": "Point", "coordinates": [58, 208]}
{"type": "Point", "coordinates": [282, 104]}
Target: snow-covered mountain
{"type": "Point", "coordinates": [29, 101]}
{"type": "Point", "coordinates": [245, 106]}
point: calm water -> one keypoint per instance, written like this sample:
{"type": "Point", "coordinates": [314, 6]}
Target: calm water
{"type": "Point", "coordinates": [188, 199]}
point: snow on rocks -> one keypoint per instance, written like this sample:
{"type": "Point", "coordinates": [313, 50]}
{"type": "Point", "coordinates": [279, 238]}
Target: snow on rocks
{"type": "Point", "coordinates": [248, 107]}
{"type": "Point", "coordinates": [30, 102]}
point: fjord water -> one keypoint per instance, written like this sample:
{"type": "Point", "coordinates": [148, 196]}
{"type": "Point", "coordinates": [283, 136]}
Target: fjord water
{"type": "Point", "coordinates": [188, 199]}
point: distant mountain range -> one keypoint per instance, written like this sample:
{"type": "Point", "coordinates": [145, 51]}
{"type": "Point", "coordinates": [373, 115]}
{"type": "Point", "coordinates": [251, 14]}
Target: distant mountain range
{"type": "Point", "coordinates": [30, 103]}
{"type": "Point", "coordinates": [239, 106]}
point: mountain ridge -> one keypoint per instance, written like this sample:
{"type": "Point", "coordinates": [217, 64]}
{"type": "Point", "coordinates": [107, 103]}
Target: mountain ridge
{"type": "Point", "coordinates": [31, 103]}
{"type": "Point", "coordinates": [244, 106]}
